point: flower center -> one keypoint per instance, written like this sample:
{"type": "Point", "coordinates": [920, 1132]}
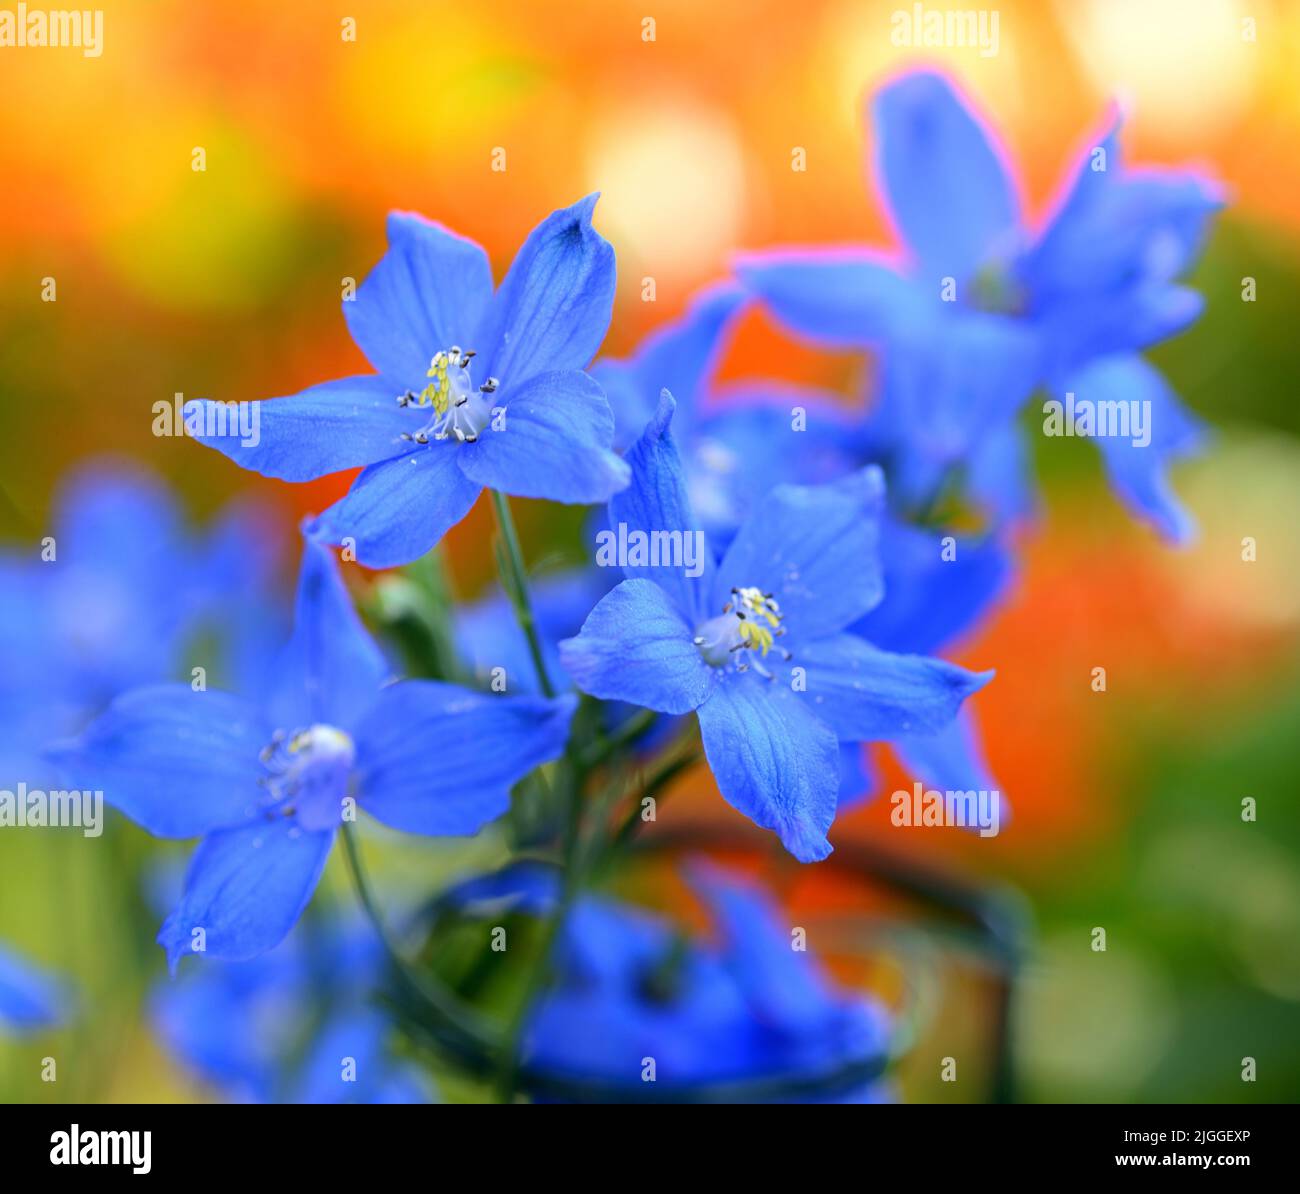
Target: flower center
{"type": "Point", "coordinates": [459, 410]}
{"type": "Point", "coordinates": [307, 774]}
{"type": "Point", "coordinates": [745, 631]}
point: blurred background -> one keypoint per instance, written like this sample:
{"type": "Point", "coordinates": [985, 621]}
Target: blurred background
{"type": "Point", "coordinates": [225, 283]}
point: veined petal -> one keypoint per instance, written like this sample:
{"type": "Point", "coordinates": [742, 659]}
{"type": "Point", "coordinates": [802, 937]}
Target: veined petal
{"type": "Point", "coordinates": [839, 298]}
{"type": "Point", "coordinates": [656, 504]}
{"type": "Point", "coordinates": [441, 760]}
{"type": "Point", "coordinates": [636, 646]}
{"type": "Point", "coordinates": [331, 669]}
{"type": "Point", "coordinates": [553, 442]}
{"type": "Point", "coordinates": [814, 549]}
{"type": "Point", "coordinates": [179, 763]}
{"type": "Point", "coordinates": [325, 429]}
{"type": "Point", "coordinates": [865, 694]}
{"type": "Point", "coordinates": [245, 889]}
{"type": "Point", "coordinates": [427, 293]}
{"type": "Point", "coordinates": [553, 309]}
{"type": "Point", "coordinates": [948, 189]}
{"type": "Point", "coordinates": [1138, 470]}
{"type": "Point", "coordinates": [398, 509]}
{"type": "Point", "coordinates": [773, 761]}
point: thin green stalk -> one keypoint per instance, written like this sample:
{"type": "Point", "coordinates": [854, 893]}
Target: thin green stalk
{"type": "Point", "coordinates": [573, 775]}
{"type": "Point", "coordinates": [461, 1019]}
{"type": "Point", "coordinates": [517, 588]}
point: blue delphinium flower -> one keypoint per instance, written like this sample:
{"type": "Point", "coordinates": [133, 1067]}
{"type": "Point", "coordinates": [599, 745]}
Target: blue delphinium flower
{"type": "Point", "coordinates": [267, 784]}
{"type": "Point", "coordinates": [748, 1011]}
{"type": "Point", "coordinates": [739, 440]}
{"type": "Point", "coordinates": [294, 1025]}
{"type": "Point", "coordinates": [755, 644]}
{"type": "Point", "coordinates": [429, 436]}
{"type": "Point", "coordinates": [30, 999]}
{"type": "Point", "coordinates": [981, 309]}
{"type": "Point", "coordinates": [110, 599]}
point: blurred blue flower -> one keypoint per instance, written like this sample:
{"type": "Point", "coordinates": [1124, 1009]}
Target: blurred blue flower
{"type": "Point", "coordinates": [30, 999]}
{"type": "Point", "coordinates": [114, 597]}
{"type": "Point", "coordinates": [750, 1009]}
{"type": "Point", "coordinates": [756, 644]}
{"type": "Point", "coordinates": [267, 783]}
{"type": "Point", "coordinates": [981, 310]}
{"type": "Point", "coordinates": [536, 426]}
{"type": "Point", "coordinates": [738, 439]}
{"type": "Point", "coordinates": [293, 1025]}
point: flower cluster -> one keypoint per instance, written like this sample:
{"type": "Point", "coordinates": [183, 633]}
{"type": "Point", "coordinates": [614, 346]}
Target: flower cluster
{"type": "Point", "coordinates": [790, 565]}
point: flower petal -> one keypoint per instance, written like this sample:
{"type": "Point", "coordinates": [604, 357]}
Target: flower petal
{"type": "Point", "coordinates": [553, 309]}
{"type": "Point", "coordinates": [1116, 225]}
{"type": "Point", "coordinates": [1139, 471]}
{"type": "Point", "coordinates": [441, 760]}
{"type": "Point", "coordinates": [951, 759]}
{"type": "Point", "coordinates": [839, 298]}
{"type": "Point", "coordinates": [398, 509]}
{"type": "Point", "coordinates": [773, 761]}
{"type": "Point", "coordinates": [680, 358]}
{"type": "Point", "coordinates": [179, 763]}
{"type": "Point", "coordinates": [933, 596]}
{"type": "Point", "coordinates": [865, 694]}
{"type": "Point", "coordinates": [814, 548]}
{"type": "Point", "coordinates": [656, 503]}
{"type": "Point", "coordinates": [331, 669]}
{"type": "Point", "coordinates": [948, 189]}
{"type": "Point", "coordinates": [552, 442]}
{"type": "Point", "coordinates": [1080, 328]}
{"type": "Point", "coordinates": [338, 425]}
{"type": "Point", "coordinates": [245, 889]}
{"type": "Point", "coordinates": [427, 293]}
{"type": "Point", "coordinates": [636, 646]}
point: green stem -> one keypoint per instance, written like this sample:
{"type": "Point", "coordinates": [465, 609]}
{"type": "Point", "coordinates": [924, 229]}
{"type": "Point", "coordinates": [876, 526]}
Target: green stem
{"type": "Point", "coordinates": [463, 1021]}
{"type": "Point", "coordinates": [507, 1073]}
{"type": "Point", "coordinates": [517, 588]}
{"type": "Point", "coordinates": [630, 730]}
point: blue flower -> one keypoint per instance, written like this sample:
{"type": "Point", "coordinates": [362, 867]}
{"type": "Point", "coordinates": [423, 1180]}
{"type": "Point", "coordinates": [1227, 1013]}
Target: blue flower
{"type": "Point", "coordinates": [429, 434]}
{"type": "Point", "coordinates": [111, 599]}
{"type": "Point", "coordinates": [293, 1025]}
{"type": "Point", "coordinates": [30, 999]}
{"type": "Point", "coordinates": [981, 309]}
{"type": "Point", "coordinates": [630, 989]}
{"type": "Point", "coordinates": [267, 784]}
{"type": "Point", "coordinates": [756, 645]}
